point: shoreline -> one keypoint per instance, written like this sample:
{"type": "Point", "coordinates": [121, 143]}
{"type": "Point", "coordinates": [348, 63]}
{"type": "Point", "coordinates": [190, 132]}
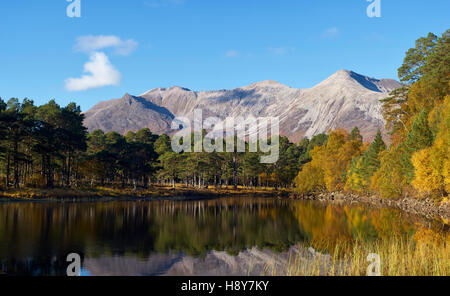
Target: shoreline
{"type": "Point", "coordinates": [427, 208]}
{"type": "Point", "coordinates": [153, 193]}
{"type": "Point", "coordinates": [423, 207]}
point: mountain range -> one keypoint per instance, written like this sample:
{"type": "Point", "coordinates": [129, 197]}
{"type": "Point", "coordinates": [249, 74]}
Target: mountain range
{"type": "Point", "coordinates": [344, 100]}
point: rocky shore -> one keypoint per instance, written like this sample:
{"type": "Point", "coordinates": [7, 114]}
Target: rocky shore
{"type": "Point", "coordinates": [426, 207]}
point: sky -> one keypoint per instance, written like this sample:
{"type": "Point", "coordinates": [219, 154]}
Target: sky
{"type": "Point", "coordinates": [117, 47]}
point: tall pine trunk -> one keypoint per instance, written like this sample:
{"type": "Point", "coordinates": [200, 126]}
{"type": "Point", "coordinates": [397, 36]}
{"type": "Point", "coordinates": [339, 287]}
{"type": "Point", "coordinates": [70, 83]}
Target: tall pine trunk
{"type": "Point", "coordinates": [8, 169]}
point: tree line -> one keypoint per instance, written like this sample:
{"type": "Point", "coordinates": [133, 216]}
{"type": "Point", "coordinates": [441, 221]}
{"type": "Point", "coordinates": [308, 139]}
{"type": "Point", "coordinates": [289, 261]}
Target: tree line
{"type": "Point", "coordinates": [47, 146]}
{"type": "Point", "coordinates": [39, 144]}
{"type": "Point", "coordinates": [417, 161]}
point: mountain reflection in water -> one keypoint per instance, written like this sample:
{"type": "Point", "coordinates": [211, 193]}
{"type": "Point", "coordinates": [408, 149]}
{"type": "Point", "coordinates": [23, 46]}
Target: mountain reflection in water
{"type": "Point", "coordinates": [228, 236]}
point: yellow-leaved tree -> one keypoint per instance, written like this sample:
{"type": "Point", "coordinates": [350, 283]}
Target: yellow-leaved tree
{"type": "Point", "coordinates": [310, 179]}
{"type": "Point", "coordinates": [432, 165]}
{"type": "Point", "coordinates": [330, 163]}
{"type": "Point", "coordinates": [389, 180]}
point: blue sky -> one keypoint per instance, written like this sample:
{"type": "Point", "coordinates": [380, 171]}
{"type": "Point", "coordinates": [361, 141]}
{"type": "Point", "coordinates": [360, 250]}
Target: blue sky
{"type": "Point", "coordinates": [135, 45]}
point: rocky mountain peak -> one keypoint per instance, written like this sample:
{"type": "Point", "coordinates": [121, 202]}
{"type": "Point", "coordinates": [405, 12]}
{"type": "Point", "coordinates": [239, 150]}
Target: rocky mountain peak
{"type": "Point", "coordinates": [351, 80]}
{"type": "Point", "coordinates": [344, 100]}
{"type": "Point", "coordinates": [266, 84]}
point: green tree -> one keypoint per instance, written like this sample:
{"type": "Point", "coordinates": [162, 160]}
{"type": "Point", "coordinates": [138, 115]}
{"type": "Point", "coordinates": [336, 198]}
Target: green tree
{"type": "Point", "coordinates": [363, 167]}
{"type": "Point", "coordinates": [140, 156]}
{"type": "Point", "coordinates": [371, 156]}
{"type": "Point", "coordinates": [356, 134]}
{"type": "Point", "coordinates": [287, 167]}
{"type": "Point", "coordinates": [416, 58]}
{"type": "Point", "coordinates": [16, 127]}
{"type": "Point", "coordinates": [317, 140]}
{"type": "Point", "coordinates": [73, 140]}
{"type": "Point", "coordinates": [420, 137]}
{"type": "Point", "coordinates": [48, 136]}
{"type": "Point", "coordinates": [170, 162]}
{"type": "Point", "coordinates": [162, 144]}
{"type": "Point", "coordinates": [2, 129]}
{"type": "Point", "coordinates": [429, 60]}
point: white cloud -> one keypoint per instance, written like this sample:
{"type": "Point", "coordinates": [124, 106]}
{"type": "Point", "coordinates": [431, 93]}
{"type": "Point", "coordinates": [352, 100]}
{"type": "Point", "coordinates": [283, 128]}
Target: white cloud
{"type": "Point", "coordinates": [281, 50]}
{"type": "Point", "coordinates": [99, 70]}
{"type": "Point", "coordinates": [100, 73]}
{"type": "Point", "coordinates": [92, 43]}
{"type": "Point", "coordinates": [330, 33]}
{"type": "Point", "coordinates": [232, 53]}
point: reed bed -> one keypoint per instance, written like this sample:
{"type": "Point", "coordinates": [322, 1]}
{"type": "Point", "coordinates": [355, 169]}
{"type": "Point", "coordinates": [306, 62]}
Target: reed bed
{"type": "Point", "coordinates": [399, 257]}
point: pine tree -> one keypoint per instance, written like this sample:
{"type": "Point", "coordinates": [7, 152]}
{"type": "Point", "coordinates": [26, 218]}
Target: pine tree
{"type": "Point", "coordinates": [420, 137]}
{"type": "Point", "coordinates": [371, 157]}
{"type": "Point", "coordinates": [363, 167]}
{"type": "Point", "coordinates": [355, 135]}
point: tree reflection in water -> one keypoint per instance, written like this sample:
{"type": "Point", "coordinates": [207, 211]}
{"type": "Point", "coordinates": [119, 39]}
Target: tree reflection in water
{"type": "Point", "coordinates": [35, 237]}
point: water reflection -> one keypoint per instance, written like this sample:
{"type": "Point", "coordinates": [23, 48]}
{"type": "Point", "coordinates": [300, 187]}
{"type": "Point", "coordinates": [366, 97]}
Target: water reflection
{"type": "Point", "coordinates": [213, 237]}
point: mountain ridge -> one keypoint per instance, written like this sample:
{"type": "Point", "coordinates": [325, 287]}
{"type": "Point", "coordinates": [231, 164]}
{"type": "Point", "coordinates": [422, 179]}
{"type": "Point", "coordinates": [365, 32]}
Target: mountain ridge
{"type": "Point", "coordinates": [343, 100]}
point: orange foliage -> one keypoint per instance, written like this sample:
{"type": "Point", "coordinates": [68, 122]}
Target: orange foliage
{"type": "Point", "coordinates": [331, 161]}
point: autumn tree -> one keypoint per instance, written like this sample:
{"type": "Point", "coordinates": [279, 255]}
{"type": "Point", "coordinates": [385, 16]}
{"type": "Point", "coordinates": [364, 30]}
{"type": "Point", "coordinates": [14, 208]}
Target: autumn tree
{"type": "Point", "coordinates": [432, 165]}
{"type": "Point", "coordinates": [389, 181]}
{"type": "Point", "coordinates": [426, 70]}
{"type": "Point", "coordinates": [418, 138]}
{"type": "Point", "coordinates": [306, 146]}
{"type": "Point", "coordinates": [363, 167]}
{"type": "Point", "coordinates": [310, 179]}
{"type": "Point", "coordinates": [414, 114]}
{"type": "Point", "coordinates": [333, 160]}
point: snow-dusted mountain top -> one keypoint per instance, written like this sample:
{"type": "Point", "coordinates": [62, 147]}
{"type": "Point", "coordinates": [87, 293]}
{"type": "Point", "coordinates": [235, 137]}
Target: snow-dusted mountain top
{"type": "Point", "coordinates": [345, 99]}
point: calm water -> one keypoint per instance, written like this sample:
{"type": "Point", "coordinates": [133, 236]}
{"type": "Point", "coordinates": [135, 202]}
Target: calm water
{"type": "Point", "coordinates": [212, 237]}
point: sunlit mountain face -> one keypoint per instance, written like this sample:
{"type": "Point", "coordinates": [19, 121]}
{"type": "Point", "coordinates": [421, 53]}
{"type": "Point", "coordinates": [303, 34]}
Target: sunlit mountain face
{"type": "Point", "coordinates": [344, 100]}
